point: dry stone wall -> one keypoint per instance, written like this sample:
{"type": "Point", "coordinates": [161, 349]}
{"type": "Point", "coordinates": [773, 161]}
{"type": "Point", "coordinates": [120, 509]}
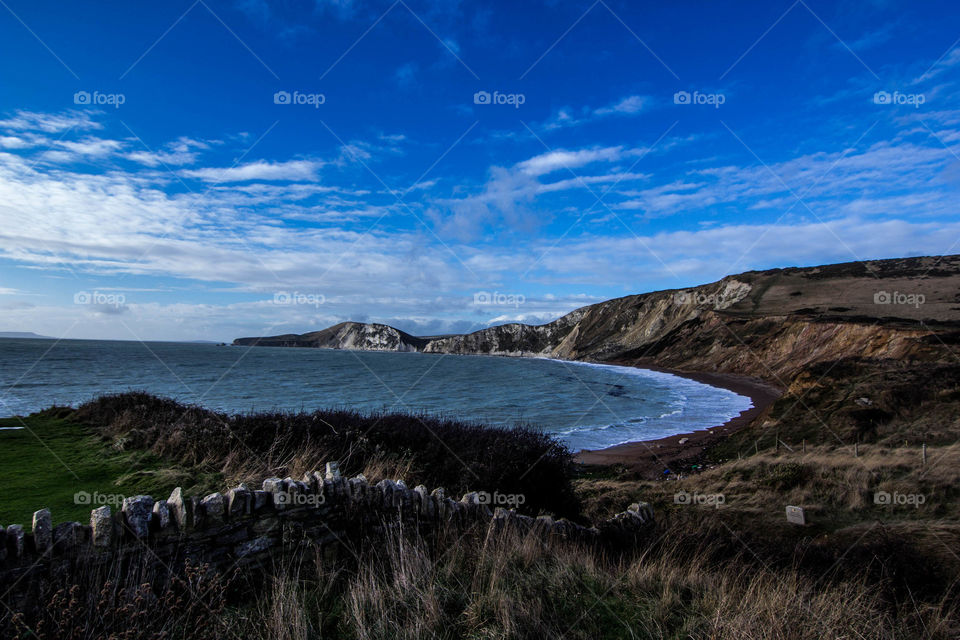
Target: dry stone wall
{"type": "Point", "coordinates": [242, 526]}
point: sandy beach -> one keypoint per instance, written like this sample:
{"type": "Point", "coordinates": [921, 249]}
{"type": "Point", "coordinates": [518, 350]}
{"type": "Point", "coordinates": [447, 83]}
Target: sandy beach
{"type": "Point", "coordinates": [652, 457]}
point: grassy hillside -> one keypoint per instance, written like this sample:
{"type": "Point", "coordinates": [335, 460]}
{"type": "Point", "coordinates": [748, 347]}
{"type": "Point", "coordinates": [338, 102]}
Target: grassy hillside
{"type": "Point", "coordinates": [737, 569]}
{"type": "Point", "coordinates": [52, 459]}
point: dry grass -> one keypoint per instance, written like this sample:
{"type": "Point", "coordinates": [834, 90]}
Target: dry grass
{"type": "Point", "coordinates": [513, 586]}
{"type": "Point", "coordinates": [490, 584]}
{"type": "Point", "coordinates": [829, 482]}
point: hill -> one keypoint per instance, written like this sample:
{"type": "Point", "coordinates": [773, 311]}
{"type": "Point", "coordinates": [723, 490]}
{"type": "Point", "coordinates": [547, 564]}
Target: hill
{"type": "Point", "coordinates": [857, 348]}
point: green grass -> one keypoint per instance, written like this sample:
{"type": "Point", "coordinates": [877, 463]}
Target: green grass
{"type": "Point", "coordinates": [49, 461]}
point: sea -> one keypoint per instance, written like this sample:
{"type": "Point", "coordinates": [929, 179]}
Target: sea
{"type": "Point", "coordinates": [588, 406]}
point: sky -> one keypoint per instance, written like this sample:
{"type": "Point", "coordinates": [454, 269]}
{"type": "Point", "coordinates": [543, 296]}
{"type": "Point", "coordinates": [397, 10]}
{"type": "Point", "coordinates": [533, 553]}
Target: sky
{"type": "Point", "coordinates": [205, 170]}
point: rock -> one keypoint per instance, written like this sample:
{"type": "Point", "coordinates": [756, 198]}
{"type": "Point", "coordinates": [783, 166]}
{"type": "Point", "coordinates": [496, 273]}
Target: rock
{"type": "Point", "coordinates": [426, 504]}
{"type": "Point", "coordinates": [272, 485]}
{"type": "Point", "coordinates": [278, 493]}
{"type": "Point", "coordinates": [238, 502]}
{"type": "Point", "coordinates": [642, 510]}
{"type": "Point", "coordinates": [66, 535]}
{"type": "Point", "coordinates": [260, 501]}
{"type": "Point", "coordinates": [137, 512]}
{"type": "Point", "coordinates": [181, 509]}
{"type": "Point", "coordinates": [253, 546]}
{"type": "Point", "coordinates": [358, 489]}
{"type": "Point", "coordinates": [213, 507]}
{"type": "Point", "coordinates": [42, 530]}
{"type": "Point", "coordinates": [333, 471]}
{"type": "Point", "coordinates": [310, 480]}
{"type": "Point", "coordinates": [162, 511]}
{"type": "Point", "coordinates": [101, 527]}
{"type": "Point", "coordinates": [15, 538]}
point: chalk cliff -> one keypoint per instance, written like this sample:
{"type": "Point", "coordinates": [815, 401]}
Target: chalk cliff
{"type": "Point", "coordinates": [768, 324]}
{"type": "Point", "coordinates": [858, 348]}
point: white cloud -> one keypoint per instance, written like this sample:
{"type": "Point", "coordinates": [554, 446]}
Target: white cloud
{"type": "Point", "coordinates": [628, 106]}
{"type": "Point", "coordinates": [90, 147]}
{"type": "Point", "coordinates": [887, 199]}
{"type": "Point", "coordinates": [14, 142]}
{"type": "Point", "coordinates": [947, 62]}
{"type": "Point", "coordinates": [49, 122]}
{"type": "Point", "coordinates": [182, 151]}
{"type": "Point", "coordinates": [291, 170]}
{"type": "Point", "coordinates": [562, 159]}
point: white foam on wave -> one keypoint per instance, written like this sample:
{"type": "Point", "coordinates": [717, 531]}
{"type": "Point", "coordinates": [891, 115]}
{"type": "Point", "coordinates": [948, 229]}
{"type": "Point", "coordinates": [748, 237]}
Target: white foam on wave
{"type": "Point", "coordinates": [700, 405]}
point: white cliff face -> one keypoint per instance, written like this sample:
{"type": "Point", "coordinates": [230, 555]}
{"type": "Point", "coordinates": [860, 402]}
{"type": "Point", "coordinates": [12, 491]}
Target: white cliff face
{"type": "Point", "coordinates": [370, 337]}
{"type": "Point", "coordinates": [510, 339]}
{"type": "Point", "coordinates": [600, 330]}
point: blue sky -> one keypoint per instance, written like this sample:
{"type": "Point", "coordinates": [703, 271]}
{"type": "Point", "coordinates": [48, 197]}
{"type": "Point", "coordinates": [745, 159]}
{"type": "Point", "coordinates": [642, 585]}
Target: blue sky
{"type": "Point", "coordinates": [206, 170]}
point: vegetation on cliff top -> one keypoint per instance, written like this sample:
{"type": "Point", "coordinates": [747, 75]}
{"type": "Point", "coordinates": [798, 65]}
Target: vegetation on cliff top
{"type": "Point", "coordinates": [421, 449]}
{"type": "Point", "coordinates": [49, 461]}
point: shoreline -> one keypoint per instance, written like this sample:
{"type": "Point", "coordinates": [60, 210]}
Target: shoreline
{"type": "Point", "coordinates": [655, 456]}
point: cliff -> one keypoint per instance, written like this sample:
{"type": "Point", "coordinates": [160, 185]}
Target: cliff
{"type": "Point", "coordinates": [768, 324]}
{"type": "Point", "coordinates": [892, 325]}
{"type": "Point", "coordinates": [346, 335]}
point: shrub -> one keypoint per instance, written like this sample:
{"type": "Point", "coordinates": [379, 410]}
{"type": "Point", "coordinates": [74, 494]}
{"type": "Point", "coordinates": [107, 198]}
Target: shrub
{"type": "Point", "coordinates": [458, 456]}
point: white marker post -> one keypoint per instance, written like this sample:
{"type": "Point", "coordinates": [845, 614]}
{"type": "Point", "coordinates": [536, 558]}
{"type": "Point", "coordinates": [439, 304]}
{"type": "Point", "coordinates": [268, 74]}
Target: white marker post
{"type": "Point", "coordinates": [795, 515]}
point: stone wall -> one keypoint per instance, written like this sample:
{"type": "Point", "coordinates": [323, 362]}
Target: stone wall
{"type": "Point", "coordinates": [242, 527]}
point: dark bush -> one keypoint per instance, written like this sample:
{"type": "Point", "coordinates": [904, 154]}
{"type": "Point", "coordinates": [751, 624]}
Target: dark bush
{"type": "Point", "coordinates": [458, 456]}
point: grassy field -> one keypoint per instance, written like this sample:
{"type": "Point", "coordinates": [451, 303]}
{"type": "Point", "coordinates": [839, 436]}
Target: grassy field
{"type": "Point", "coordinates": [51, 459]}
{"type": "Point", "coordinates": [736, 569]}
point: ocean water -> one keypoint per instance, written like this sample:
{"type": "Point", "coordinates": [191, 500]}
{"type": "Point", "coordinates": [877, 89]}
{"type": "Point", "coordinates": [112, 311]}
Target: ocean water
{"type": "Point", "coordinates": [588, 406]}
